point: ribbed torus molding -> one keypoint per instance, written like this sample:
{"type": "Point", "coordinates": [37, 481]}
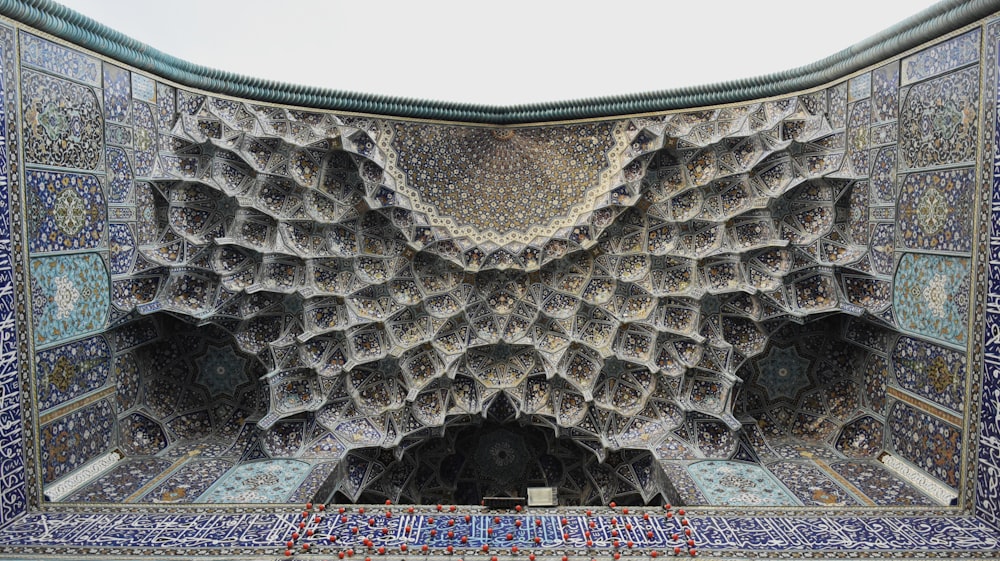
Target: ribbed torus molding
{"type": "Point", "coordinates": [74, 27]}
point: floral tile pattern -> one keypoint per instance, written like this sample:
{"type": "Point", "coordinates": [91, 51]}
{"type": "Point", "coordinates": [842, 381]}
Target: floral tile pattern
{"type": "Point", "coordinates": [267, 481]}
{"type": "Point", "coordinates": [71, 370]}
{"type": "Point", "coordinates": [121, 482]}
{"type": "Point", "coordinates": [69, 442]}
{"type": "Point", "coordinates": [931, 371]}
{"type": "Point", "coordinates": [126, 381]}
{"type": "Point", "coordinates": [861, 438]}
{"type": "Point", "coordinates": [885, 93]}
{"type": "Point", "coordinates": [66, 211]}
{"type": "Point", "coordinates": [339, 264]}
{"type": "Point", "coordinates": [811, 485]}
{"type": "Point", "coordinates": [119, 175]}
{"type": "Point", "coordinates": [879, 485]}
{"type": "Point", "coordinates": [145, 139]}
{"type": "Point", "coordinates": [191, 480]}
{"type": "Point", "coordinates": [926, 441]}
{"type": "Point", "coordinates": [938, 121]}
{"type": "Point", "coordinates": [527, 197]}
{"type": "Point", "coordinates": [941, 58]}
{"type": "Point", "coordinates": [739, 484]}
{"type": "Point", "coordinates": [117, 94]}
{"type": "Point", "coordinates": [69, 296]}
{"type": "Point", "coordinates": [141, 435]}
{"type": "Point", "coordinates": [931, 296]}
{"type": "Point", "coordinates": [935, 211]}
{"type": "Point", "coordinates": [70, 63]}
{"type": "Point", "coordinates": [63, 125]}
{"type": "Point", "coordinates": [123, 247]}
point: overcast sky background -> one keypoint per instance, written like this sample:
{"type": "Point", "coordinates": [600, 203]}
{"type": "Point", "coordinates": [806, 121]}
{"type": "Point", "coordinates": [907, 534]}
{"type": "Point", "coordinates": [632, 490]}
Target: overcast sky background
{"type": "Point", "coordinates": [502, 53]}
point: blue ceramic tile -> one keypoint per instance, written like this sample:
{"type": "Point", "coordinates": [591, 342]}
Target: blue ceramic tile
{"type": "Point", "coordinates": [931, 296]}
{"type": "Point", "coordinates": [66, 211]}
{"type": "Point", "coordinates": [69, 296]}
{"type": "Point", "coordinates": [66, 134]}
{"type": "Point", "coordinates": [58, 59]}
{"type": "Point", "coordinates": [941, 58]}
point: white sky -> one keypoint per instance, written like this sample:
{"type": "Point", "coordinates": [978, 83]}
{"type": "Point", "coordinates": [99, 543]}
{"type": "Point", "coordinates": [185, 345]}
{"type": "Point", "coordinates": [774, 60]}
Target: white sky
{"type": "Point", "coordinates": [503, 52]}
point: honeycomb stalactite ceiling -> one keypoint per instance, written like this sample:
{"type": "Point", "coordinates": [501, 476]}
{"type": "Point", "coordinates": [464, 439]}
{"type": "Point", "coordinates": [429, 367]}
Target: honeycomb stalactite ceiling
{"type": "Point", "coordinates": [508, 187]}
{"type": "Point", "coordinates": [607, 279]}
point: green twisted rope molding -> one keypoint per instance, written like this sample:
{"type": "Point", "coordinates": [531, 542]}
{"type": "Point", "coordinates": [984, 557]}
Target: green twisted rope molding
{"type": "Point", "coordinates": [71, 26]}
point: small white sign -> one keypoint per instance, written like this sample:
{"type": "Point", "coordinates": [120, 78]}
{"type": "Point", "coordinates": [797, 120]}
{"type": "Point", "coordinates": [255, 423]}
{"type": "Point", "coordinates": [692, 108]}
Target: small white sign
{"type": "Point", "coordinates": [143, 88]}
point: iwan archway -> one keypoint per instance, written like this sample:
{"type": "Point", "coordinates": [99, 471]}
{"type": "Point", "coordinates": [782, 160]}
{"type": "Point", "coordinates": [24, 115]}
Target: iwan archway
{"type": "Point", "coordinates": [229, 297]}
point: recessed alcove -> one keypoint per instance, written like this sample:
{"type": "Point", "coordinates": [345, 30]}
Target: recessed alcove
{"type": "Point", "coordinates": [767, 309]}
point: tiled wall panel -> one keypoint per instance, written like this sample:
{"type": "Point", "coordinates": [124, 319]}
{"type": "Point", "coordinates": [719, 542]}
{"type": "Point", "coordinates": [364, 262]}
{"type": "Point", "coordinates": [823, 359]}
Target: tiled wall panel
{"type": "Point", "coordinates": [93, 135]}
{"type": "Point", "coordinates": [13, 489]}
{"type": "Point", "coordinates": [988, 467]}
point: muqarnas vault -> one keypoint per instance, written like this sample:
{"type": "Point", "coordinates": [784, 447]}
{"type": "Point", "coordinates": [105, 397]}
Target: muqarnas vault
{"type": "Point", "coordinates": [777, 300]}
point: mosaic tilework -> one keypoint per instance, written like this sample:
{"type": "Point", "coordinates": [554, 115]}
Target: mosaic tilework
{"type": "Point", "coordinates": [66, 211]}
{"type": "Point", "coordinates": [935, 211]}
{"type": "Point", "coordinates": [14, 495]}
{"type": "Point", "coordinates": [63, 125]}
{"type": "Point", "coordinates": [739, 484]}
{"type": "Point", "coordinates": [284, 438]}
{"type": "Point", "coordinates": [121, 482]}
{"type": "Point", "coordinates": [725, 537]}
{"type": "Point", "coordinates": [166, 107]}
{"type": "Point", "coordinates": [133, 334]}
{"type": "Point", "coordinates": [190, 481]}
{"type": "Point", "coordinates": [987, 488]}
{"type": "Point", "coordinates": [145, 139]}
{"type": "Point", "coordinates": [931, 296]}
{"type": "Point", "coordinates": [222, 370]}
{"type": "Point", "coordinates": [879, 485]}
{"type": "Point", "coordinates": [69, 296]}
{"type": "Point", "coordinates": [938, 121]}
{"type": "Point", "coordinates": [876, 377]}
{"type": "Point", "coordinates": [117, 94]}
{"type": "Point", "coordinates": [988, 468]}
{"type": "Point", "coordinates": [504, 176]}
{"type": "Point", "coordinates": [931, 371]}
{"type": "Point", "coordinates": [311, 484]}
{"type": "Point", "coordinates": [882, 248]}
{"type": "Point", "coordinates": [811, 485]}
{"type": "Point", "coordinates": [883, 176]}
{"type": "Point", "coordinates": [783, 373]}
{"type": "Point", "coordinates": [941, 58]}
{"type": "Point", "coordinates": [688, 492]}
{"type": "Point", "coordinates": [69, 442]}
{"type": "Point", "coordinates": [855, 92]}
{"type": "Point", "coordinates": [58, 59]}
{"type": "Point", "coordinates": [859, 87]}
{"type": "Point", "coordinates": [141, 435]}
{"type": "Point", "coordinates": [123, 247]}
{"type": "Point", "coordinates": [858, 122]}
{"type": "Point", "coordinates": [126, 381]}
{"type": "Point", "coordinates": [119, 175]}
{"type": "Point", "coordinates": [268, 481]}
{"type": "Point", "coordinates": [926, 441]}
{"type": "Point", "coordinates": [861, 438]}
{"type": "Point", "coordinates": [145, 206]}
{"type": "Point", "coordinates": [143, 88]}
{"type": "Point", "coordinates": [885, 93]}
{"type": "Point", "coordinates": [72, 370]}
